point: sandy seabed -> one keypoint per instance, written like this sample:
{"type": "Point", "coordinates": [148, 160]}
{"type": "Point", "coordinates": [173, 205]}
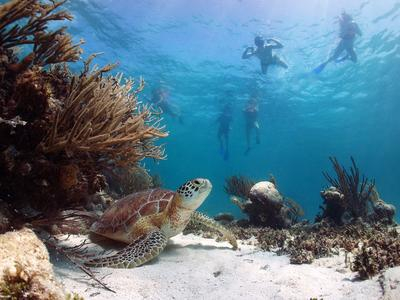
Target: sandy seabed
{"type": "Point", "coordinates": [192, 267]}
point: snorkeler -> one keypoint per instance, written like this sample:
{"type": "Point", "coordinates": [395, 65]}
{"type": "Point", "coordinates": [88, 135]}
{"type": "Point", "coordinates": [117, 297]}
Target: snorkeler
{"type": "Point", "coordinates": [224, 120]}
{"type": "Point", "coordinates": [251, 117]}
{"type": "Point", "coordinates": [159, 98]}
{"type": "Point", "coordinates": [348, 32]}
{"type": "Point", "coordinates": [264, 53]}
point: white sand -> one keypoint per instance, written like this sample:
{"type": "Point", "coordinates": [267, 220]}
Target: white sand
{"type": "Point", "coordinates": [192, 267]}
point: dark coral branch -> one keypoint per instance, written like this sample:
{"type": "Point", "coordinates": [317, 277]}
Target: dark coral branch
{"type": "Point", "coordinates": [75, 255]}
{"type": "Point", "coordinates": [356, 192]}
{"type": "Point", "coordinates": [238, 186]}
{"type": "Point", "coordinates": [25, 22]}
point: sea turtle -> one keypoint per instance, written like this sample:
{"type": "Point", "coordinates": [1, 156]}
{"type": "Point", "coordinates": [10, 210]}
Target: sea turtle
{"type": "Point", "coordinates": [146, 220]}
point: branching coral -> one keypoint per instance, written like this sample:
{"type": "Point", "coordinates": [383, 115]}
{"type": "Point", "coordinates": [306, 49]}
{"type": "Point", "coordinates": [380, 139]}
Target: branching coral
{"type": "Point", "coordinates": [102, 117]}
{"type": "Point", "coordinates": [238, 186]}
{"type": "Point", "coordinates": [353, 193]}
{"type": "Point", "coordinates": [25, 22]}
{"type": "Point", "coordinates": [58, 131]}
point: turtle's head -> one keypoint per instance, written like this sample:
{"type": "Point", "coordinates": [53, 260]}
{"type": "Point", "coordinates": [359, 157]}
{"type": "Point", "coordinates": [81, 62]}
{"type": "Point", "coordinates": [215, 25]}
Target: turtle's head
{"type": "Point", "coordinates": [194, 192]}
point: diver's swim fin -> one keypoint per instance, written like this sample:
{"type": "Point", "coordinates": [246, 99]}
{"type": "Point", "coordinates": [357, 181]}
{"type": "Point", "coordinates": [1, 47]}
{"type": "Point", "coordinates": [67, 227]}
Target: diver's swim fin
{"type": "Point", "coordinates": [320, 68]}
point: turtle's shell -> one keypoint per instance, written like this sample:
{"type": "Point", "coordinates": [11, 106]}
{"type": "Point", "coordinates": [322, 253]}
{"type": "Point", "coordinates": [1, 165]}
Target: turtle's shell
{"type": "Point", "coordinates": [124, 213]}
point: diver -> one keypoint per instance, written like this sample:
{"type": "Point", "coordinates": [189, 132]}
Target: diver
{"type": "Point", "coordinates": [224, 126]}
{"type": "Point", "coordinates": [347, 34]}
{"type": "Point", "coordinates": [251, 118]}
{"type": "Point", "coordinates": [264, 53]}
{"type": "Point", "coordinates": [159, 98]}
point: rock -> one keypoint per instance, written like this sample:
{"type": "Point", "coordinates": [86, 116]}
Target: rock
{"type": "Point", "coordinates": [384, 212]}
{"type": "Point", "coordinates": [332, 194]}
{"type": "Point", "coordinates": [265, 206]}
{"type": "Point", "coordinates": [265, 191]}
{"type": "Point", "coordinates": [333, 208]}
{"type": "Point", "coordinates": [25, 269]}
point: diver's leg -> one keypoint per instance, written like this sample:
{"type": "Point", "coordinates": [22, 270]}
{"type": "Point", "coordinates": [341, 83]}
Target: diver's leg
{"type": "Point", "coordinates": [221, 142]}
{"type": "Point", "coordinates": [257, 129]}
{"type": "Point", "coordinates": [339, 49]}
{"type": "Point", "coordinates": [264, 68]}
{"type": "Point", "coordinates": [280, 62]}
{"type": "Point", "coordinates": [226, 153]}
{"type": "Point", "coordinates": [352, 54]}
{"type": "Point", "coordinates": [248, 132]}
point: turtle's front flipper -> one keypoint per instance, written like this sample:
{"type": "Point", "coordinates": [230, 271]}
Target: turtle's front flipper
{"type": "Point", "coordinates": [142, 250]}
{"type": "Point", "coordinates": [210, 223]}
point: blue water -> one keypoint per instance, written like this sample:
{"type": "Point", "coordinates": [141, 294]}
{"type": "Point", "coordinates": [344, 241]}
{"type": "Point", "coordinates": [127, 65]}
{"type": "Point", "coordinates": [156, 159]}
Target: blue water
{"type": "Point", "coordinates": [193, 49]}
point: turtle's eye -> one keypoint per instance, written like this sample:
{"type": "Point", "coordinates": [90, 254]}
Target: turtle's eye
{"type": "Point", "coordinates": [197, 182]}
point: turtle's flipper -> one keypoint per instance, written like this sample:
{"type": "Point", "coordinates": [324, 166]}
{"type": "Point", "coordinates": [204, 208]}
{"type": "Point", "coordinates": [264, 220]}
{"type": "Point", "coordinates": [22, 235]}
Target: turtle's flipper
{"type": "Point", "coordinates": [212, 224]}
{"type": "Point", "coordinates": [142, 250]}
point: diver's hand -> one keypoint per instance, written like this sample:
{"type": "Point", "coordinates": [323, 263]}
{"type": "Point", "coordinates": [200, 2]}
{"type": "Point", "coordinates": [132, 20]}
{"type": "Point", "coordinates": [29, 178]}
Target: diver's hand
{"type": "Point", "coordinates": [248, 52]}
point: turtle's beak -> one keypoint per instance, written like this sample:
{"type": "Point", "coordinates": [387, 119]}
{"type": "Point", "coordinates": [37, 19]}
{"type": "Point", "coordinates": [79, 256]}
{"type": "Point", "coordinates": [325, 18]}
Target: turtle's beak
{"type": "Point", "coordinates": [205, 186]}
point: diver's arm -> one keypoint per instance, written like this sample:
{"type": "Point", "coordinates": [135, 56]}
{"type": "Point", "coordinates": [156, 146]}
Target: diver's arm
{"type": "Point", "coordinates": [277, 45]}
{"type": "Point", "coordinates": [246, 53]}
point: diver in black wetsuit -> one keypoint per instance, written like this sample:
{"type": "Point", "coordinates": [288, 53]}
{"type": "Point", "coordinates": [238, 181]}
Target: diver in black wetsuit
{"type": "Point", "coordinates": [264, 53]}
{"type": "Point", "coordinates": [251, 117]}
{"type": "Point", "coordinates": [224, 126]}
{"type": "Point", "coordinates": [348, 33]}
{"type": "Point", "coordinates": [159, 98]}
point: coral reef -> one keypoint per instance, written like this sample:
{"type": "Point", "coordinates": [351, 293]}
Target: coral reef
{"type": "Point", "coordinates": [370, 248]}
{"type": "Point", "coordinates": [352, 197]}
{"type": "Point", "coordinates": [379, 252]}
{"type": "Point", "coordinates": [238, 186]}
{"type": "Point", "coordinates": [25, 270]}
{"type": "Point", "coordinates": [60, 131]}
{"type": "Point", "coordinates": [264, 205]}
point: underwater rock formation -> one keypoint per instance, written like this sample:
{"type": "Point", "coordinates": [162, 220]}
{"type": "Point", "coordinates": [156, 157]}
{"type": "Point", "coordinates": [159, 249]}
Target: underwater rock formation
{"type": "Point", "coordinates": [381, 211]}
{"type": "Point", "coordinates": [25, 270]}
{"type": "Point", "coordinates": [352, 198]}
{"type": "Point", "coordinates": [265, 206]}
{"type": "Point", "coordinates": [60, 131]}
